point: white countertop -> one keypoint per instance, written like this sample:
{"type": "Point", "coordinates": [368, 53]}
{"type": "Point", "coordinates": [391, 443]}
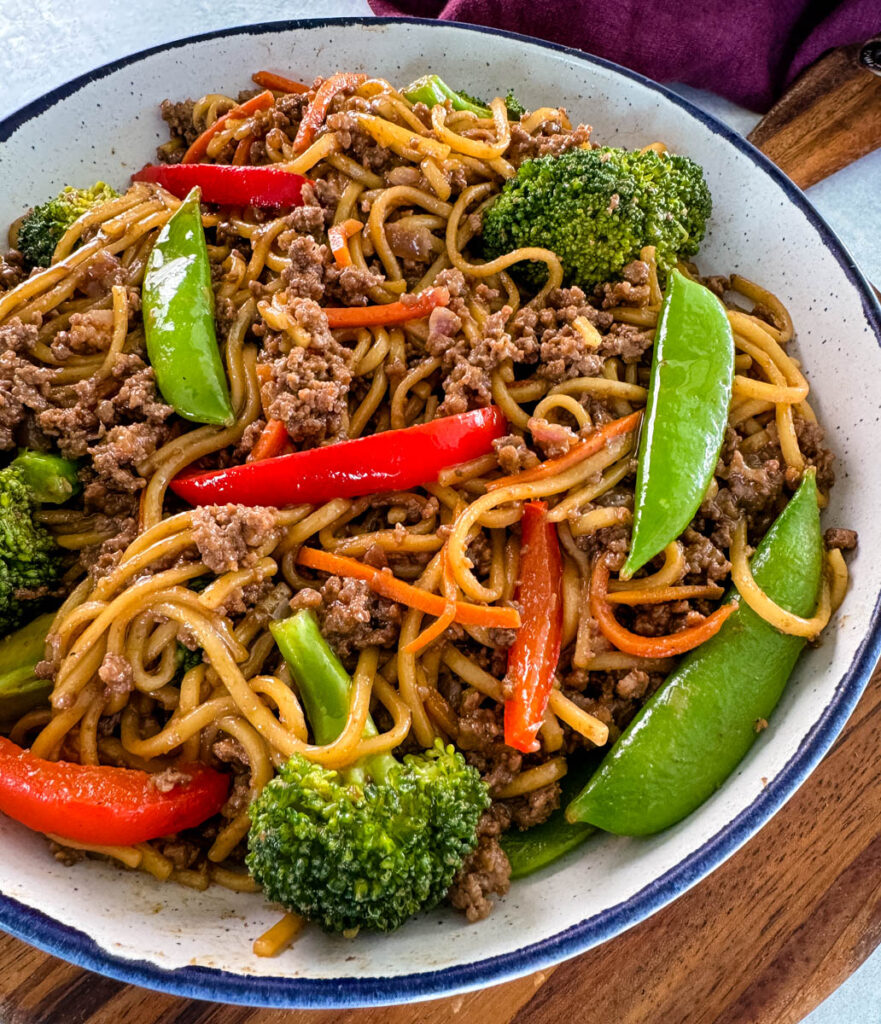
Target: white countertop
{"type": "Point", "coordinates": [44, 43]}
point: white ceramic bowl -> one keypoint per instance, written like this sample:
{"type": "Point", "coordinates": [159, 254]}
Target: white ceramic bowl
{"type": "Point", "coordinates": [105, 125]}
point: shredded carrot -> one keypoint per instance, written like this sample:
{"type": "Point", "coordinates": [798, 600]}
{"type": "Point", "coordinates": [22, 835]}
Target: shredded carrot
{"type": "Point", "coordinates": [243, 151]}
{"type": "Point", "coordinates": [382, 582]}
{"type": "Point", "coordinates": [339, 236]}
{"type": "Point", "coordinates": [270, 443]}
{"type": "Point", "coordinates": [259, 102]}
{"type": "Point", "coordinates": [577, 453]}
{"type": "Point", "coordinates": [647, 646]}
{"type": "Point", "coordinates": [390, 313]}
{"type": "Point", "coordinates": [442, 621]}
{"type": "Point", "coordinates": [316, 112]}
{"type": "Point", "coordinates": [278, 83]}
{"type": "Point", "coordinates": [264, 376]}
{"type": "Point", "coordinates": [658, 595]}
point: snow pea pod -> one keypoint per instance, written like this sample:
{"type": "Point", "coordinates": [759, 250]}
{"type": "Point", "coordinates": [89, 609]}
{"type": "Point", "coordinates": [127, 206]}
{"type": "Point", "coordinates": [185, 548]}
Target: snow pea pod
{"type": "Point", "coordinates": [692, 733]}
{"type": "Point", "coordinates": [685, 417]}
{"type": "Point", "coordinates": [178, 310]}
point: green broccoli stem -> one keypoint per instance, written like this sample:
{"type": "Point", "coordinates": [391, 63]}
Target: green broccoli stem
{"type": "Point", "coordinates": [51, 478]}
{"type": "Point", "coordinates": [432, 90]}
{"type": "Point", "coordinates": [325, 689]}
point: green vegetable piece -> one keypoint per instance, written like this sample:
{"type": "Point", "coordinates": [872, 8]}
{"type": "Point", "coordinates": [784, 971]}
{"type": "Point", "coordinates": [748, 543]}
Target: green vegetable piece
{"type": "Point", "coordinates": [685, 418]}
{"type": "Point", "coordinates": [185, 659]}
{"type": "Point", "coordinates": [42, 228]}
{"type": "Point", "coordinates": [516, 109]}
{"type": "Point", "coordinates": [30, 560]}
{"type": "Point", "coordinates": [693, 732]}
{"type": "Point", "coordinates": [178, 310]}
{"type": "Point", "coordinates": [20, 690]}
{"type": "Point", "coordinates": [369, 846]}
{"type": "Point", "coordinates": [310, 658]}
{"type": "Point", "coordinates": [431, 90]}
{"type": "Point", "coordinates": [51, 478]}
{"type": "Point", "coordinates": [596, 209]}
{"type": "Point", "coordinates": [538, 847]}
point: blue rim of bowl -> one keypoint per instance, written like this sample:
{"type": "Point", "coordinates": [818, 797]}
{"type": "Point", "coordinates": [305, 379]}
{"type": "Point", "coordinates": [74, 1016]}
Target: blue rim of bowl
{"type": "Point", "coordinates": [74, 946]}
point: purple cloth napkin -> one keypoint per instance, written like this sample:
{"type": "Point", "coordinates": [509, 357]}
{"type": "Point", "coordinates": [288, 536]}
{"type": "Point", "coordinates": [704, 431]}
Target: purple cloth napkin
{"type": "Point", "coordinates": [747, 50]}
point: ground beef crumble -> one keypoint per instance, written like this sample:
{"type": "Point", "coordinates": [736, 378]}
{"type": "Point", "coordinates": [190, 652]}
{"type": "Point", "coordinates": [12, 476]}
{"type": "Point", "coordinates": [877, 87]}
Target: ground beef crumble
{"type": "Point", "coordinates": [514, 454]}
{"type": "Point", "coordinates": [12, 270]}
{"type": "Point", "coordinates": [632, 290]}
{"type": "Point", "coordinates": [179, 118]}
{"type": "Point", "coordinates": [844, 540]}
{"type": "Point", "coordinates": [103, 558]}
{"type": "Point", "coordinates": [226, 535]}
{"type": "Point", "coordinates": [551, 140]}
{"type": "Point", "coordinates": [167, 780]}
{"type": "Point", "coordinates": [116, 674]}
{"type": "Point", "coordinates": [309, 385]}
{"type": "Point", "coordinates": [468, 365]}
{"type": "Point", "coordinates": [352, 617]}
{"type": "Point", "coordinates": [484, 873]}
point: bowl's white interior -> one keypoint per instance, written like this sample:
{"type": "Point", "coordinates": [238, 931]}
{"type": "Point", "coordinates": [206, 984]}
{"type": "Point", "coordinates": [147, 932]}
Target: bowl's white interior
{"type": "Point", "coordinates": [110, 127]}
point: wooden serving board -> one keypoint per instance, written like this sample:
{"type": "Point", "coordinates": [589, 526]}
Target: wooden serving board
{"type": "Point", "coordinates": [766, 937]}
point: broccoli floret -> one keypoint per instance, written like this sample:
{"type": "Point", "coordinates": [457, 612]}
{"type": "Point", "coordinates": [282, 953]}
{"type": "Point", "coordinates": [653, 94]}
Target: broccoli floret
{"type": "Point", "coordinates": [185, 659]}
{"type": "Point", "coordinates": [472, 102]}
{"type": "Point", "coordinates": [29, 557]}
{"type": "Point", "coordinates": [370, 846]}
{"type": "Point", "coordinates": [41, 229]}
{"type": "Point", "coordinates": [596, 208]}
{"type": "Point", "coordinates": [516, 109]}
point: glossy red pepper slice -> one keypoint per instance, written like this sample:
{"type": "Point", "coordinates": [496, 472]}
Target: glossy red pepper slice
{"type": "Point", "coordinates": [228, 185]}
{"type": "Point", "coordinates": [533, 657]}
{"type": "Point", "coordinates": [101, 804]}
{"type": "Point", "coordinates": [390, 461]}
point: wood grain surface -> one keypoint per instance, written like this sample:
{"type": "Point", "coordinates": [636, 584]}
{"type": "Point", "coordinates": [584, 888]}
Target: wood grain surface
{"type": "Point", "coordinates": [763, 940]}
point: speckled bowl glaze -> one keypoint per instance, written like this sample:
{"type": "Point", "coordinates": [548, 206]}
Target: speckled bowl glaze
{"type": "Point", "coordinates": [104, 125]}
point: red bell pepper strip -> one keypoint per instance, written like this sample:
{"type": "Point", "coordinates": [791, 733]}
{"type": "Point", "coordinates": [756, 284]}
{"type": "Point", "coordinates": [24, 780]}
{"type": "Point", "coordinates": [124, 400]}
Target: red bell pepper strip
{"type": "Point", "coordinates": [317, 110]}
{"type": "Point", "coordinates": [278, 83]}
{"type": "Point", "coordinates": [390, 313]}
{"type": "Point", "coordinates": [261, 101]}
{"type": "Point", "coordinates": [533, 657]}
{"type": "Point", "coordinates": [228, 185]}
{"type": "Point", "coordinates": [393, 460]}
{"type": "Point", "coordinates": [101, 804]}
{"type": "Point", "coordinates": [270, 443]}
